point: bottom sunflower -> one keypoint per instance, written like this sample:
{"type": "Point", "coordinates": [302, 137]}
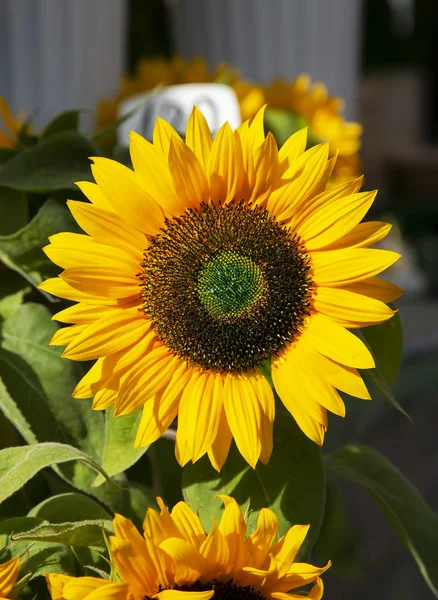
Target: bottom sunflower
{"type": "Point", "coordinates": [8, 577]}
{"type": "Point", "coordinates": [176, 560]}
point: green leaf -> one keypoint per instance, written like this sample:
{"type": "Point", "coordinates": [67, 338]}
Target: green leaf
{"type": "Point", "coordinates": [22, 251]}
{"type": "Point", "coordinates": [82, 533]}
{"type": "Point", "coordinates": [69, 507]}
{"type": "Point", "coordinates": [13, 289]}
{"type": "Point", "coordinates": [11, 411]}
{"type": "Point", "coordinates": [282, 124]}
{"type": "Point", "coordinates": [65, 121]}
{"type": "Point", "coordinates": [292, 484]}
{"type": "Point", "coordinates": [38, 558]}
{"type": "Point", "coordinates": [55, 163]}
{"type": "Point", "coordinates": [14, 211]}
{"type": "Point", "coordinates": [337, 540]}
{"type": "Point", "coordinates": [411, 517]}
{"type": "Point", "coordinates": [386, 344]}
{"type": "Point", "coordinates": [119, 452]}
{"type": "Point", "coordinates": [19, 464]}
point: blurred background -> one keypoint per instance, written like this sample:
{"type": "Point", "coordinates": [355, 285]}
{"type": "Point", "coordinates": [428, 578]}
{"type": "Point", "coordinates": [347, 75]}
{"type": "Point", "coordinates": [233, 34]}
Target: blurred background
{"type": "Point", "coordinates": [381, 56]}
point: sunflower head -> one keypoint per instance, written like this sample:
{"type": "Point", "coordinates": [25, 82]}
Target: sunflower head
{"type": "Point", "coordinates": [208, 261]}
{"type": "Point", "coordinates": [174, 559]}
{"type": "Point", "coordinates": [8, 576]}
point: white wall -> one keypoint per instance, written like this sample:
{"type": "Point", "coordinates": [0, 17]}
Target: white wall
{"type": "Point", "coordinates": [60, 54]}
{"type": "Point", "coordinates": [266, 38]}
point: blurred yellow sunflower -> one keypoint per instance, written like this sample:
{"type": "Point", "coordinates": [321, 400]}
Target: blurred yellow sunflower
{"type": "Point", "coordinates": [8, 576]}
{"type": "Point", "coordinates": [11, 124]}
{"type": "Point", "coordinates": [175, 559]}
{"type": "Point", "coordinates": [209, 263]}
{"type": "Point", "coordinates": [322, 114]}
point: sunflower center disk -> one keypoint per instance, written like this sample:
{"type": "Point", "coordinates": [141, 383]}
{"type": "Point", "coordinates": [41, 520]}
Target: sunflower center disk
{"type": "Point", "coordinates": [226, 286]}
{"type": "Point", "coordinates": [229, 285]}
{"type": "Point", "coordinates": [222, 590]}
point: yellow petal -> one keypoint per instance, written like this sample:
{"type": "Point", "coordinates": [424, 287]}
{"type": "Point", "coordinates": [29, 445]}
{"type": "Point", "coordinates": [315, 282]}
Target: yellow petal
{"type": "Point", "coordinates": [217, 556]}
{"type": "Point", "coordinates": [189, 561]}
{"type": "Point", "coordinates": [67, 335]}
{"type": "Point", "coordinates": [133, 203]}
{"type": "Point", "coordinates": [162, 135]}
{"type": "Point", "coordinates": [242, 409]}
{"type": "Point", "coordinates": [159, 411]}
{"type": "Point", "coordinates": [189, 179]}
{"type": "Point", "coordinates": [107, 282]}
{"type": "Point", "coordinates": [377, 288]}
{"type": "Point", "coordinates": [263, 392]}
{"type": "Point", "coordinates": [286, 549]}
{"type": "Point", "coordinates": [199, 412]}
{"type": "Point", "coordinates": [188, 523]}
{"type": "Point", "coordinates": [147, 378]}
{"type": "Point", "coordinates": [73, 250]}
{"type": "Point", "coordinates": [81, 313]}
{"type": "Point", "coordinates": [113, 332]}
{"type": "Point", "coordinates": [223, 171]}
{"type": "Point", "coordinates": [152, 169]}
{"type": "Point", "coordinates": [232, 526]}
{"type": "Point", "coordinates": [334, 219]}
{"type": "Point", "coordinates": [350, 309]}
{"type": "Point", "coordinates": [294, 146]}
{"type": "Point", "coordinates": [363, 235]}
{"type": "Point", "coordinates": [259, 543]}
{"type": "Point", "coordinates": [198, 136]}
{"type": "Point", "coordinates": [338, 268]}
{"type": "Point", "coordinates": [95, 195]}
{"type": "Point", "coordinates": [59, 287]}
{"type": "Point", "coordinates": [8, 575]}
{"type": "Point", "coordinates": [107, 227]}
{"type": "Point", "coordinates": [220, 448]}
{"type": "Point", "coordinates": [336, 342]}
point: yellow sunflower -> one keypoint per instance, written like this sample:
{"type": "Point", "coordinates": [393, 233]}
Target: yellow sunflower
{"type": "Point", "coordinates": [209, 263]}
{"type": "Point", "coordinates": [323, 115]}
{"type": "Point", "coordinates": [8, 576]}
{"type": "Point", "coordinates": [176, 560]}
{"type": "Point", "coordinates": [12, 125]}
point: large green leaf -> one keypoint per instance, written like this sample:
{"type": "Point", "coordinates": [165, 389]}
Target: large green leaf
{"type": "Point", "coordinates": [22, 251]}
{"type": "Point", "coordinates": [40, 557]}
{"type": "Point", "coordinates": [89, 533]}
{"type": "Point", "coordinates": [14, 415]}
{"type": "Point", "coordinates": [409, 514]}
{"type": "Point", "coordinates": [55, 163]}
{"type": "Point", "coordinates": [65, 121]}
{"type": "Point", "coordinates": [386, 344]}
{"type": "Point", "coordinates": [13, 211]}
{"type": "Point", "coordinates": [13, 288]}
{"type": "Point", "coordinates": [292, 484]}
{"type": "Point", "coordinates": [337, 540]}
{"type": "Point", "coordinates": [19, 464]}
{"type": "Point", "coordinates": [69, 507]}
{"type": "Point", "coordinates": [119, 452]}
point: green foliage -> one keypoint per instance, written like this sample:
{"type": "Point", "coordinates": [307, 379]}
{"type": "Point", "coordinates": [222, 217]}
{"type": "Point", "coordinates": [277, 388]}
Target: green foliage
{"type": "Point", "coordinates": [292, 484]}
{"type": "Point", "coordinates": [411, 517]}
{"type": "Point", "coordinates": [22, 251]}
{"type": "Point", "coordinates": [386, 343]}
{"type": "Point", "coordinates": [55, 163]}
{"type": "Point", "coordinates": [13, 211]}
{"type": "Point", "coordinates": [119, 452]}
{"type": "Point", "coordinates": [21, 463]}
{"type": "Point", "coordinates": [65, 121]}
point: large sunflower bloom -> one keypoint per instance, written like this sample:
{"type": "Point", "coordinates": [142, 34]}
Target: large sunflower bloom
{"type": "Point", "coordinates": [176, 560]}
{"type": "Point", "coordinates": [323, 114]}
{"type": "Point", "coordinates": [8, 576]}
{"type": "Point", "coordinates": [209, 261]}
{"type": "Point", "coordinates": [11, 124]}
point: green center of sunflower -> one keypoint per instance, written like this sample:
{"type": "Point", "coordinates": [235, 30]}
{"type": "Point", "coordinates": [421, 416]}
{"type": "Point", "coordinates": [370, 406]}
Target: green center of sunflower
{"type": "Point", "coordinates": [222, 590]}
{"type": "Point", "coordinates": [226, 286]}
{"type": "Point", "coordinates": [229, 285]}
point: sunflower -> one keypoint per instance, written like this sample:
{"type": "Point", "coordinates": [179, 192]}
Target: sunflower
{"type": "Point", "coordinates": [176, 560]}
{"type": "Point", "coordinates": [322, 114]}
{"type": "Point", "coordinates": [209, 264]}
{"type": "Point", "coordinates": [8, 576]}
{"type": "Point", "coordinates": [8, 138]}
